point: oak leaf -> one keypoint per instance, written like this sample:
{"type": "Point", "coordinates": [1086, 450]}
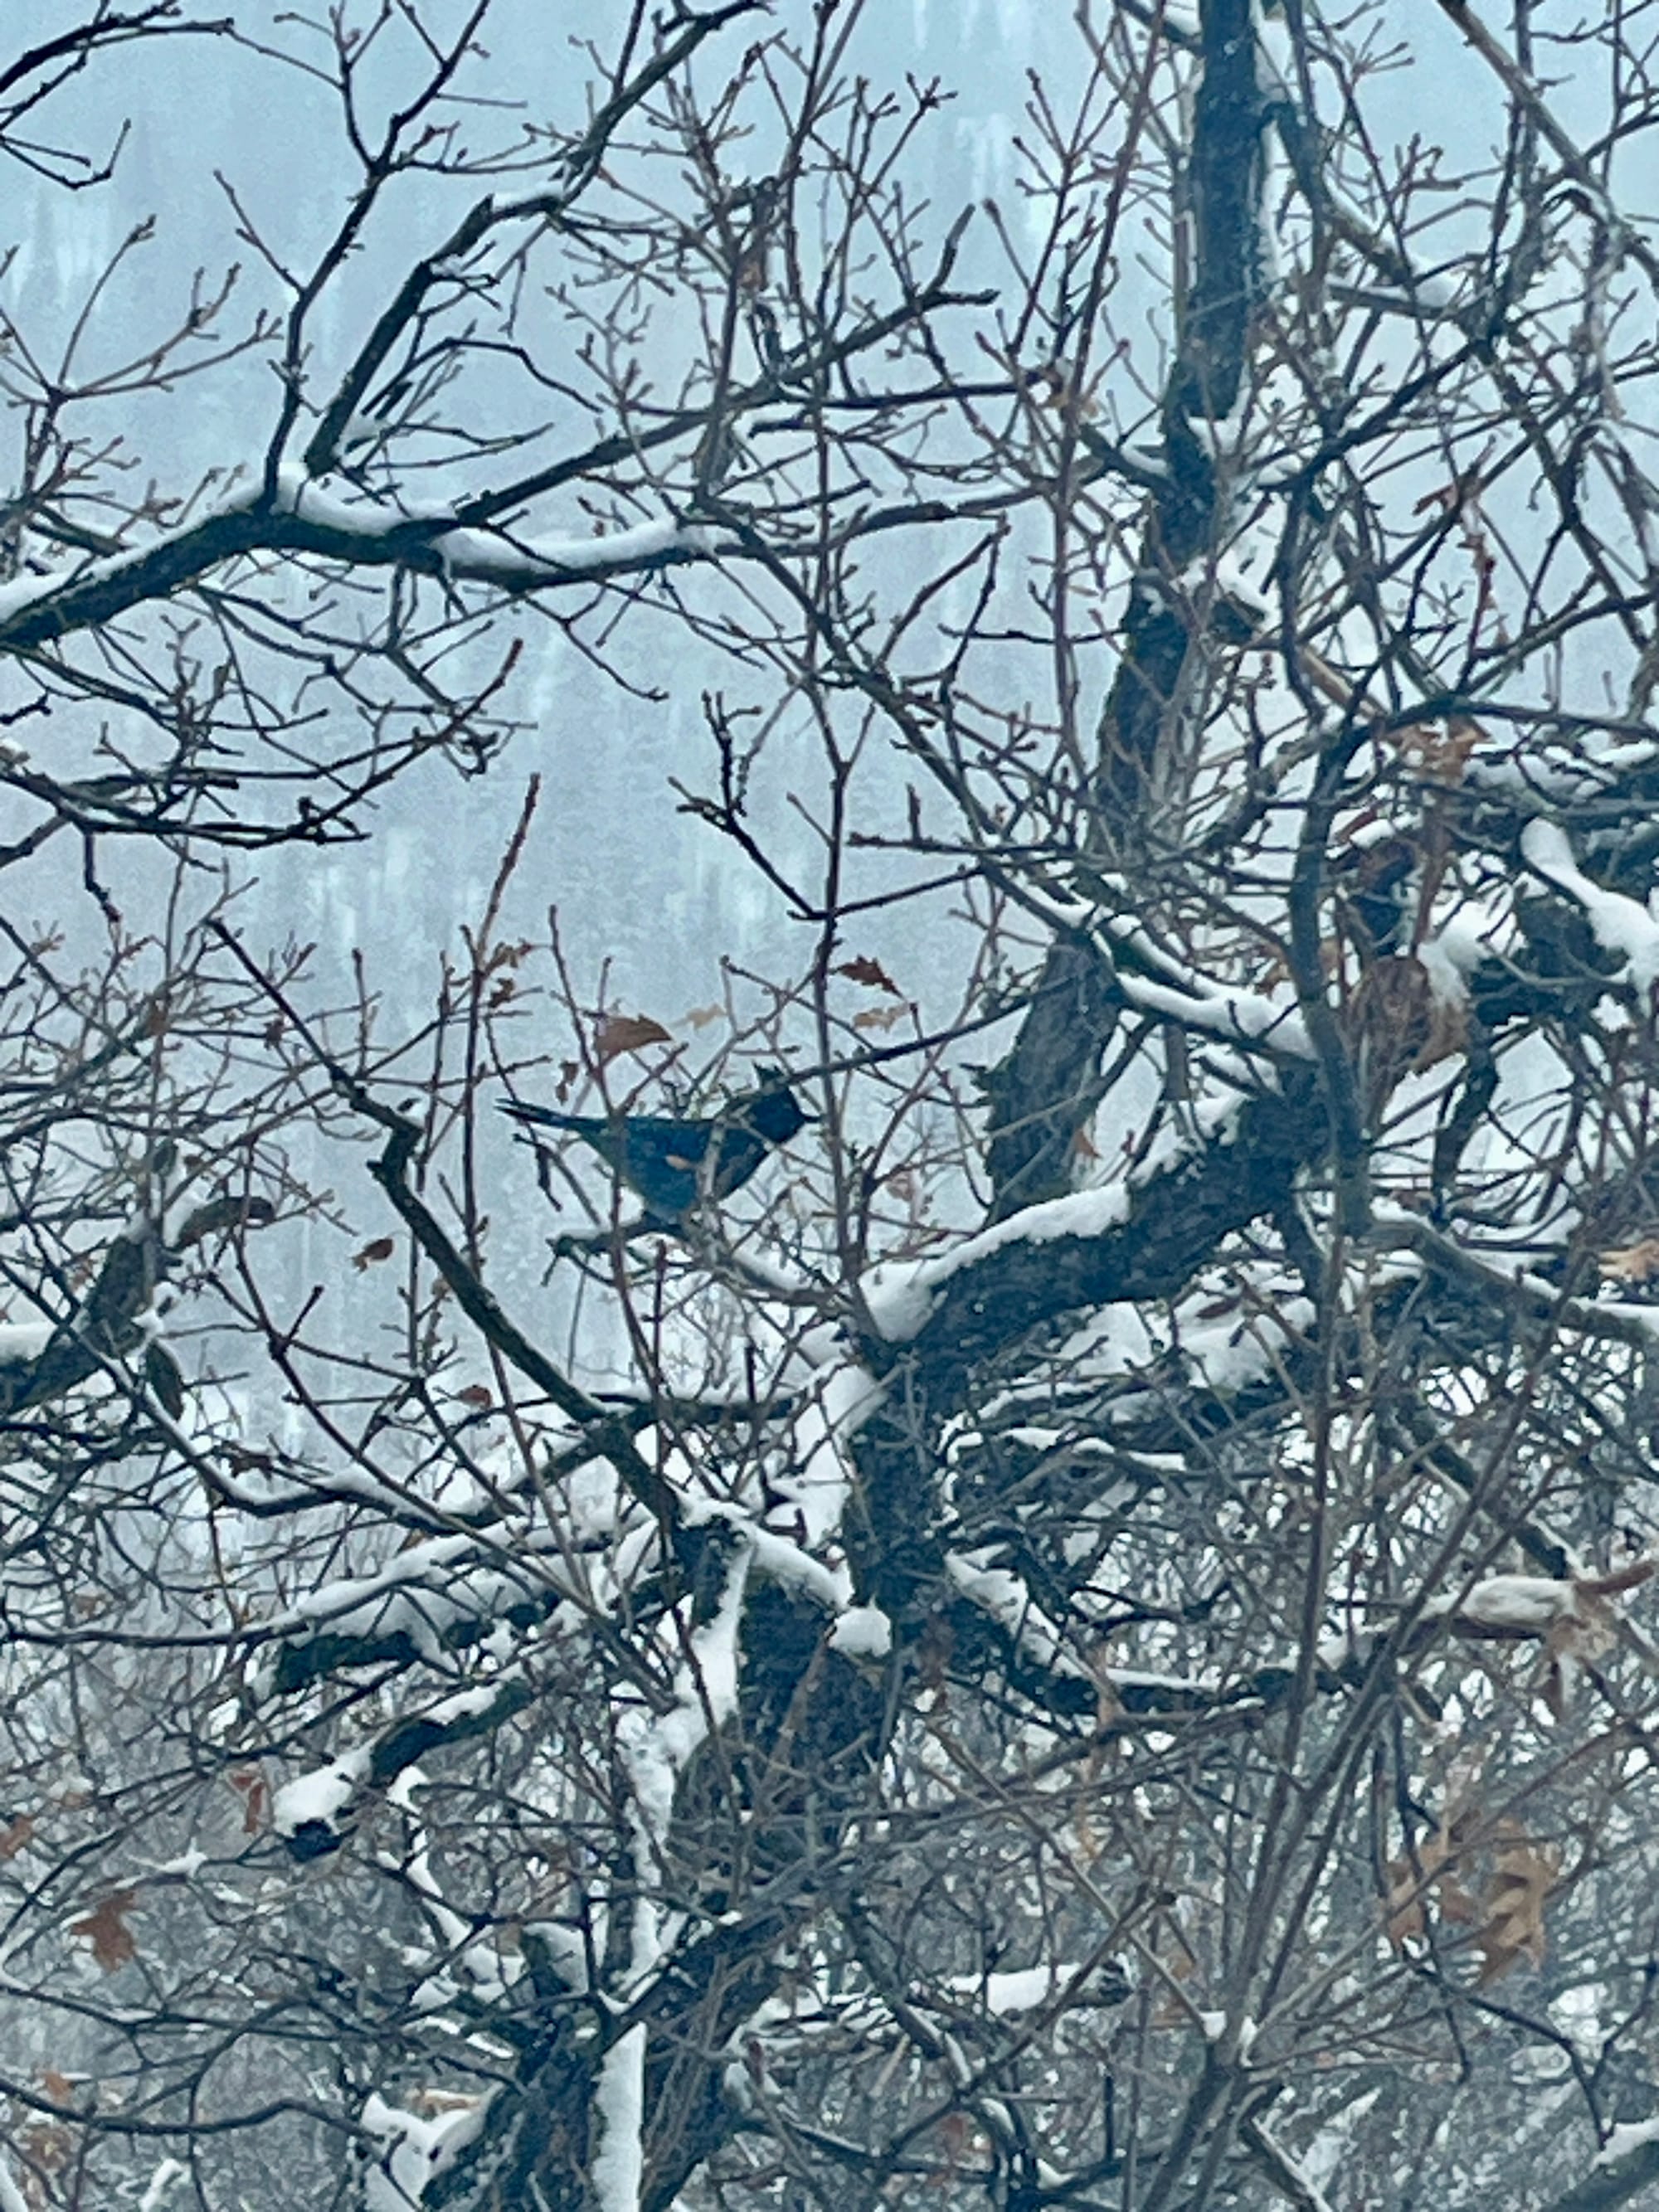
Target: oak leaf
{"type": "Point", "coordinates": [112, 1941]}
{"type": "Point", "coordinates": [865, 970]}
{"type": "Point", "coordinates": [1430, 1870]}
{"type": "Point", "coordinates": [622, 1033]}
{"type": "Point", "coordinates": [1512, 1925]}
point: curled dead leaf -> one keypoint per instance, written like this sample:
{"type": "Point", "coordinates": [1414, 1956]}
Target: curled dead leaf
{"type": "Point", "coordinates": [254, 1791]}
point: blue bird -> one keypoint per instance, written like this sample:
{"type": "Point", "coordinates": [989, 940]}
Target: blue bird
{"type": "Point", "coordinates": [667, 1160]}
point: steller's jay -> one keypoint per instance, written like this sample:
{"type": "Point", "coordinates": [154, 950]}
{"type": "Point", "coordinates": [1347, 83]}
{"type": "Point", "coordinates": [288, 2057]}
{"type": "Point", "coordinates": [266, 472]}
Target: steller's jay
{"type": "Point", "coordinates": [667, 1160]}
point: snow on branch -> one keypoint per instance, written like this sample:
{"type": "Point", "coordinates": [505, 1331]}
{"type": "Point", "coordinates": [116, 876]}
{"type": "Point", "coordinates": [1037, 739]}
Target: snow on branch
{"type": "Point", "coordinates": [1154, 979]}
{"type": "Point", "coordinates": [488, 556]}
{"type": "Point", "coordinates": [413, 2151]}
{"type": "Point", "coordinates": [618, 2165]}
{"type": "Point", "coordinates": [307, 516]}
{"type": "Point", "coordinates": [898, 1294]}
{"type": "Point", "coordinates": [313, 1814]}
{"type": "Point", "coordinates": [1621, 925]}
{"type": "Point", "coordinates": [656, 1750]}
{"type": "Point", "coordinates": [1520, 1606]}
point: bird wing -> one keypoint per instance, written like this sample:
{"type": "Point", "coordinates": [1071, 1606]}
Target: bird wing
{"type": "Point", "coordinates": [662, 1160]}
{"type": "Point", "coordinates": [740, 1153]}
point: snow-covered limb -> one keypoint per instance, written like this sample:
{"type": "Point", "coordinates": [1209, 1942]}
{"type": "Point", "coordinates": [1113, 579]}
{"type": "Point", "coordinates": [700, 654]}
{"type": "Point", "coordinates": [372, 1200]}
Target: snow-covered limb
{"type": "Point", "coordinates": [1511, 1281]}
{"type": "Point", "coordinates": [481, 1966]}
{"type": "Point", "coordinates": [1629, 2136]}
{"type": "Point", "coordinates": [778, 1557]}
{"type": "Point", "coordinates": [618, 2165]}
{"type": "Point", "coordinates": [1240, 1016]}
{"type": "Point", "coordinates": [1538, 1605]}
{"type": "Point", "coordinates": [309, 516]}
{"type": "Point", "coordinates": [863, 1632]}
{"type": "Point", "coordinates": [1620, 2172]}
{"type": "Point", "coordinates": [1290, 2173]}
{"type": "Point", "coordinates": [1003, 1595]}
{"type": "Point", "coordinates": [159, 2188]}
{"type": "Point", "coordinates": [310, 1806]}
{"type": "Point", "coordinates": [655, 1751]}
{"type": "Point", "coordinates": [818, 1483]}
{"type": "Point", "coordinates": [1622, 925]}
{"type": "Point", "coordinates": [21, 1342]}
{"type": "Point", "coordinates": [442, 1596]}
{"type": "Point", "coordinates": [898, 1294]}
{"type": "Point", "coordinates": [489, 557]}
{"type": "Point", "coordinates": [313, 1813]}
{"type": "Point", "coordinates": [1024, 1990]}
{"type": "Point", "coordinates": [414, 2151]}
{"type": "Point", "coordinates": [1510, 1604]}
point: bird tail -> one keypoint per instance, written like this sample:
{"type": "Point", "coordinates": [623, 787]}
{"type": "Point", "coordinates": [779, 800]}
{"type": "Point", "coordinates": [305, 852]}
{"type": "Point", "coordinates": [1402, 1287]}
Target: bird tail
{"type": "Point", "coordinates": [541, 1117]}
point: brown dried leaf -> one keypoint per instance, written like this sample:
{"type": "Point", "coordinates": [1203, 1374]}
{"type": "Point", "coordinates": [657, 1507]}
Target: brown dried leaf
{"type": "Point", "coordinates": [112, 1941]}
{"type": "Point", "coordinates": [1440, 751]}
{"type": "Point", "coordinates": [252, 1788]}
{"type": "Point", "coordinates": [865, 970]}
{"type": "Point", "coordinates": [1584, 1630]}
{"type": "Point", "coordinates": [475, 1395]}
{"type": "Point", "coordinates": [381, 1249]}
{"type": "Point", "coordinates": [1512, 1927]}
{"type": "Point", "coordinates": [1621, 1578]}
{"type": "Point", "coordinates": [1413, 1878]}
{"type": "Point", "coordinates": [14, 1839]}
{"type": "Point", "coordinates": [880, 1017]}
{"type": "Point", "coordinates": [621, 1033]}
{"type": "Point", "coordinates": [1180, 1964]}
{"type": "Point", "coordinates": [49, 2148]}
{"type": "Point", "coordinates": [1448, 1032]}
{"type": "Point", "coordinates": [1630, 1263]}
